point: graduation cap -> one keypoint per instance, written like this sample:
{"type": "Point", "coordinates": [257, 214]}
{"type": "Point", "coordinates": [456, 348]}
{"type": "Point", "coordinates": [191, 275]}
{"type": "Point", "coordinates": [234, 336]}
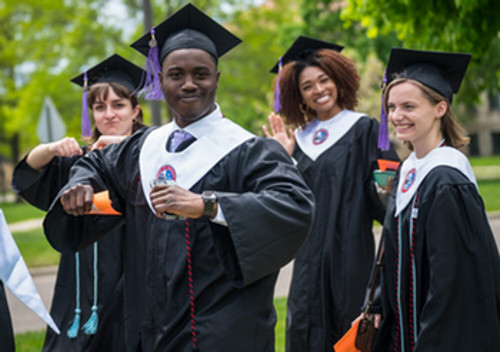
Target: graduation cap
{"type": "Point", "coordinates": [440, 71]}
{"type": "Point", "coordinates": [188, 28]}
{"type": "Point", "coordinates": [113, 69]}
{"type": "Point", "coordinates": [301, 48]}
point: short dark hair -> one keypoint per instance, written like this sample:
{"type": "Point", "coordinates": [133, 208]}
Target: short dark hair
{"type": "Point", "coordinates": [99, 90]}
{"type": "Point", "coordinates": [339, 68]}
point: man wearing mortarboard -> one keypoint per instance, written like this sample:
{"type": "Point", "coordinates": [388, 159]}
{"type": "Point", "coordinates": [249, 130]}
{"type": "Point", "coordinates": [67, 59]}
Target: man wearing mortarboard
{"type": "Point", "coordinates": [216, 210]}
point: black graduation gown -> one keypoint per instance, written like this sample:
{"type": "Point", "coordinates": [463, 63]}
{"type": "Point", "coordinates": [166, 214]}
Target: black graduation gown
{"type": "Point", "coordinates": [332, 269]}
{"type": "Point", "coordinates": [40, 189]}
{"type": "Point", "coordinates": [6, 333]}
{"type": "Point", "coordinates": [457, 298]}
{"type": "Point", "coordinates": [268, 209]}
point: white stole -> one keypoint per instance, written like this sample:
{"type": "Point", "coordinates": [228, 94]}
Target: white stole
{"type": "Point", "coordinates": [414, 170]}
{"type": "Point", "coordinates": [16, 277]}
{"type": "Point", "coordinates": [319, 136]}
{"type": "Point", "coordinates": [187, 167]}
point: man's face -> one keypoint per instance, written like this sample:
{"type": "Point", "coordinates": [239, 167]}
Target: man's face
{"type": "Point", "coordinates": [189, 80]}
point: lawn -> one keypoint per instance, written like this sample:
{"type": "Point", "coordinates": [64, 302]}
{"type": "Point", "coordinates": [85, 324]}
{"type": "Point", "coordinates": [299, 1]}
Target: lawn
{"type": "Point", "coordinates": [30, 341]}
{"type": "Point", "coordinates": [35, 249]}
{"type": "Point", "coordinates": [485, 161]}
{"type": "Point", "coordinates": [490, 192]}
{"type": "Point", "coordinates": [33, 341]}
{"type": "Point", "coordinates": [15, 212]}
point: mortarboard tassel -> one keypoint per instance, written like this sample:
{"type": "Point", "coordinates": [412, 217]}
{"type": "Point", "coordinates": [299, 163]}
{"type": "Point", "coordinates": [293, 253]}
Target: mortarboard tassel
{"type": "Point", "coordinates": [383, 133]}
{"type": "Point", "coordinates": [277, 103]}
{"type": "Point", "coordinates": [90, 327]}
{"type": "Point", "coordinates": [86, 127]}
{"type": "Point", "coordinates": [75, 326]}
{"type": "Point", "coordinates": [152, 87]}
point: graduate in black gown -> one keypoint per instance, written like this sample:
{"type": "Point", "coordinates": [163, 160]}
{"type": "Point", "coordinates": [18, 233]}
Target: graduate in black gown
{"type": "Point", "coordinates": [213, 210]}
{"type": "Point", "coordinates": [336, 151]}
{"type": "Point", "coordinates": [89, 285]}
{"type": "Point", "coordinates": [440, 279]}
{"type": "Point", "coordinates": [6, 332]}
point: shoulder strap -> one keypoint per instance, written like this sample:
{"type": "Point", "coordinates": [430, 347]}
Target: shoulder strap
{"type": "Point", "coordinates": [376, 275]}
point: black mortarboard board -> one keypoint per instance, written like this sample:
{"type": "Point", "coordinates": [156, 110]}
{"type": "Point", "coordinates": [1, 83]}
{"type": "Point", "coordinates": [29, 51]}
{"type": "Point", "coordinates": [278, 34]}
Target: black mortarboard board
{"type": "Point", "coordinates": [188, 28]}
{"type": "Point", "coordinates": [441, 71]}
{"type": "Point", "coordinates": [302, 47]}
{"type": "Point", "coordinates": [114, 69]}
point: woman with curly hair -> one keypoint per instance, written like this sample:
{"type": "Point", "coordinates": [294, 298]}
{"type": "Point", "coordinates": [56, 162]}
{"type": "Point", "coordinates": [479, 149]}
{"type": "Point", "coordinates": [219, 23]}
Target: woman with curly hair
{"type": "Point", "coordinates": [335, 149]}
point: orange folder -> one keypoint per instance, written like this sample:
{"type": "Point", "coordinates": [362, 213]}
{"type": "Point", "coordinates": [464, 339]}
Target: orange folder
{"type": "Point", "coordinates": [386, 165]}
{"type": "Point", "coordinates": [101, 205]}
{"type": "Point", "coordinates": [347, 342]}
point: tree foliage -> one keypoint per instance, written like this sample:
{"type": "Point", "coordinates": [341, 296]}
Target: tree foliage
{"type": "Point", "coordinates": [43, 44]}
{"type": "Point", "coordinates": [448, 25]}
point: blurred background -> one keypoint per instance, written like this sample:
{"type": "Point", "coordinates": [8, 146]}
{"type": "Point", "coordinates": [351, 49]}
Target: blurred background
{"type": "Point", "coordinates": [44, 43]}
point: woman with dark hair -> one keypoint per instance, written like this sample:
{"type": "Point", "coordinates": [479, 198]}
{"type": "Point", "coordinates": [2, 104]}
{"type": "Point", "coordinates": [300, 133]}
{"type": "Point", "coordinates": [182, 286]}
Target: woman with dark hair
{"type": "Point", "coordinates": [88, 297]}
{"type": "Point", "coordinates": [336, 151]}
{"type": "Point", "coordinates": [439, 288]}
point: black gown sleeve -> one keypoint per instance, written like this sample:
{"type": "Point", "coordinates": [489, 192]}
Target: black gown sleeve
{"type": "Point", "coordinates": [105, 169]}
{"type": "Point", "coordinates": [270, 219]}
{"type": "Point", "coordinates": [40, 188]}
{"type": "Point", "coordinates": [462, 306]}
{"type": "Point", "coordinates": [6, 333]}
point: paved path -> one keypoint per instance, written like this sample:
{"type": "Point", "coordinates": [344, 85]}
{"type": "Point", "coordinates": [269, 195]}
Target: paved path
{"type": "Point", "coordinates": [25, 320]}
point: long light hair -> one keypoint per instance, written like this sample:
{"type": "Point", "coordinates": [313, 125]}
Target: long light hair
{"type": "Point", "coordinates": [454, 134]}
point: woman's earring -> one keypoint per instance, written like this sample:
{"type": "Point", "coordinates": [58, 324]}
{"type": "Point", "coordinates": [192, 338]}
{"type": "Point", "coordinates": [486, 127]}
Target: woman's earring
{"type": "Point", "coordinates": [302, 108]}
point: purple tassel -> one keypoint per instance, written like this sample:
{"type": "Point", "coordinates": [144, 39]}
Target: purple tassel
{"type": "Point", "coordinates": [383, 133]}
{"type": "Point", "coordinates": [277, 103]}
{"type": "Point", "coordinates": [86, 127]}
{"type": "Point", "coordinates": [152, 88]}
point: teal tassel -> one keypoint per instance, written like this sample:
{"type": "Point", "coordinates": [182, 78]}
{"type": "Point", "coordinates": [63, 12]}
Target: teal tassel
{"type": "Point", "coordinates": [90, 327]}
{"type": "Point", "coordinates": [75, 326]}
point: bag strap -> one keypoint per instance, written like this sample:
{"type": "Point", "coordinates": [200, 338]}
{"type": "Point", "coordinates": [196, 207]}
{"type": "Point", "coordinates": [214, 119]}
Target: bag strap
{"type": "Point", "coordinates": [375, 276]}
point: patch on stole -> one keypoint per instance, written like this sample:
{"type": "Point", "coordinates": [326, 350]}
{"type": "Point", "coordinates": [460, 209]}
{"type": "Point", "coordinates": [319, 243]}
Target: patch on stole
{"type": "Point", "coordinates": [320, 136]}
{"type": "Point", "coordinates": [409, 180]}
{"type": "Point", "coordinates": [166, 173]}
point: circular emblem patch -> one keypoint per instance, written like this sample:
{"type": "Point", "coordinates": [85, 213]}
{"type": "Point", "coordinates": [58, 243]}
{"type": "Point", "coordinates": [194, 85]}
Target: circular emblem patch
{"type": "Point", "coordinates": [320, 136]}
{"type": "Point", "coordinates": [409, 180]}
{"type": "Point", "coordinates": [166, 173]}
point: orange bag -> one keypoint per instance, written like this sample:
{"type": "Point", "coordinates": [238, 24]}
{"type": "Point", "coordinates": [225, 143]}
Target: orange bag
{"type": "Point", "coordinates": [347, 342]}
{"type": "Point", "coordinates": [101, 205]}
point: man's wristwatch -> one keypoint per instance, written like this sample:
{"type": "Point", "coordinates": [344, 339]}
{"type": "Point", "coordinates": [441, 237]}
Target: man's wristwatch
{"type": "Point", "coordinates": [209, 200]}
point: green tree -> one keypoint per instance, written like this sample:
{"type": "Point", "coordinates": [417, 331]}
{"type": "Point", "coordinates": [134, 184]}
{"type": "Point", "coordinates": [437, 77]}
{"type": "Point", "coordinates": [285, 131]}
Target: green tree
{"type": "Point", "coordinates": [448, 25]}
{"type": "Point", "coordinates": [44, 43]}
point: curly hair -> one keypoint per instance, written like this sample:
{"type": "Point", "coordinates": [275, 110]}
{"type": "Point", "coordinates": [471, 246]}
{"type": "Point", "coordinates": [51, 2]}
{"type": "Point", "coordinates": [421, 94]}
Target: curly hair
{"type": "Point", "coordinates": [101, 90]}
{"type": "Point", "coordinates": [454, 134]}
{"type": "Point", "coordinates": [339, 68]}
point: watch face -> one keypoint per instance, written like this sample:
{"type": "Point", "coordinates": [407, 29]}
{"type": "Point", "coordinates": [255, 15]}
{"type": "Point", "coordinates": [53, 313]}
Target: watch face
{"type": "Point", "coordinates": [209, 199]}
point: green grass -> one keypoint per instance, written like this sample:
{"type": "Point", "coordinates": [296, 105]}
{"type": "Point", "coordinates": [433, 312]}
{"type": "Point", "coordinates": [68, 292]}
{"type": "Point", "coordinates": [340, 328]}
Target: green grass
{"type": "Point", "coordinates": [33, 341]}
{"type": "Point", "coordinates": [30, 341]}
{"type": "Point", "coordinates": [485, 160]}
{"type": "Point", "coordinates": [280, 304]}
{"type": "Point", "coordinates": [15, 212]}
{"type": "Point", "coordinates": [35, 249]}
{"type": "Point", "coordinates": [490, 192]}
